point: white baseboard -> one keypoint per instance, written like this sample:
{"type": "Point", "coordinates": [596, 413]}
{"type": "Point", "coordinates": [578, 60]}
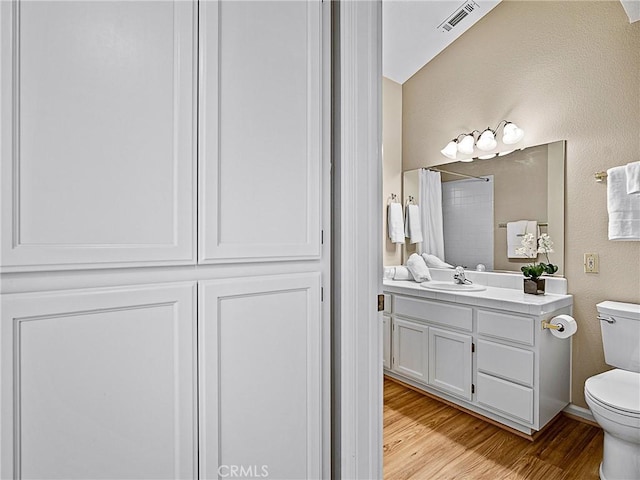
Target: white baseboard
{"type": "Point", "coordinates": [581, 412]}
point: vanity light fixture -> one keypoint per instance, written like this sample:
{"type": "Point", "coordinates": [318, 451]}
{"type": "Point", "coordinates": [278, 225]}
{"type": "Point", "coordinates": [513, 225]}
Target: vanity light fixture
{"type": "Point", "coordinates": [511, 134]}
{"type": "Point", "coordinates": [466, 144]}
{"type": "Point", "coordinates": [451, 149]}
{"type": "Point", "coordinates": [485, 141]}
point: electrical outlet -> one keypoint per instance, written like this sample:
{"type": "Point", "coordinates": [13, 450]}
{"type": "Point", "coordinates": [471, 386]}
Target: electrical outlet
{"type": "Point", "coordinates": [591, 263]}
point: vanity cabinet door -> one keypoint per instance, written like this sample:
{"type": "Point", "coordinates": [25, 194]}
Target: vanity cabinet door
{"type": "Point", "coordinates": [98, 152]}
{"type": "Point", "coordinates": [99, 383]}
{"type": "Point", "coordinates": [450, 362]}
{"type": "Point", "coordinates": [386, 341]}
{"type": "Point", "coordinates": [410, 346]}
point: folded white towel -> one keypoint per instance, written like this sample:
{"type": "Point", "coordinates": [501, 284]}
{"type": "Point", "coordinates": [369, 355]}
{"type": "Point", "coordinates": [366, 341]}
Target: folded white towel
{"type": "Point", "coordinates": [399, 272]}
{"type": "Point", "coordinates": [418, 268]}
{"type": "Point", "coordinates": [412, 227]}
{"type": "Point", "coordinates": [434, 262]}
{"type": "Point", "coordinates": [623, 208]}
{"type": "Point", "coordinates": [394, 222]}
{"type": "Point", "coordinates": [633, 177]}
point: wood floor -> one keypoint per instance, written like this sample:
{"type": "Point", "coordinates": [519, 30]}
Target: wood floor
{"type": "Point", "coordinates": [427, 440]}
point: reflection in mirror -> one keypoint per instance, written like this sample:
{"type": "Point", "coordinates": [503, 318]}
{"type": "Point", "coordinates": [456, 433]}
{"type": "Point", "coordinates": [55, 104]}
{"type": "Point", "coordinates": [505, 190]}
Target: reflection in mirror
{"type": "Point", "coordinates": [527, 184]}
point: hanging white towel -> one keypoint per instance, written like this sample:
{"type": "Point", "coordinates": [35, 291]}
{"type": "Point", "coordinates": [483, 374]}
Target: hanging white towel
{"type": "Point", "coordinates": [412, 227]}
{"type": "Point", "coordinates": [394, 222]}
{"type": "Point", "coordinates": [623, 208]}
{"type": "Point", "coordinates": [632, 171]}
{"type": "Point", "coordinates": [515, 234]}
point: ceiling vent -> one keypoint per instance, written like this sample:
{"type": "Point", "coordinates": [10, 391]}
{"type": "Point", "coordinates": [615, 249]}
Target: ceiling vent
{"type": "Point", "coordinates": [458, 15]}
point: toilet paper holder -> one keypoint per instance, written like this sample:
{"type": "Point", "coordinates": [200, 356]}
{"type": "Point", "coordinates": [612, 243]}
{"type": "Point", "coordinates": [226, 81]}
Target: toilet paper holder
{"type": "Point", "coordinates": [552, 326]}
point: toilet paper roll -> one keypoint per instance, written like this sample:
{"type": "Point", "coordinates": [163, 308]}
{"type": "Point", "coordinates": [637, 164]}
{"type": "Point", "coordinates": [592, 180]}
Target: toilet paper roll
{"type": "Point", "coordinates": [568, 323]}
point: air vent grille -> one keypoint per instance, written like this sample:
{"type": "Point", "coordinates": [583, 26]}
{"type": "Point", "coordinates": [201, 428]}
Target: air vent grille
{"type": "Point", "coordinates": [457, 16]}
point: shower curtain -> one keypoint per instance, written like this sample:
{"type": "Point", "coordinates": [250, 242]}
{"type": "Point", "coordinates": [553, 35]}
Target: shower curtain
{"type": "Point", "coordinates": [430, 200]}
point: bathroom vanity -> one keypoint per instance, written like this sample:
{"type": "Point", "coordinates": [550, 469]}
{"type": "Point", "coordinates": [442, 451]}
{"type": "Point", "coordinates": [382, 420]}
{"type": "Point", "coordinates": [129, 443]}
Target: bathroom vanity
{"type": "Point", "coordinates": [485, 351]}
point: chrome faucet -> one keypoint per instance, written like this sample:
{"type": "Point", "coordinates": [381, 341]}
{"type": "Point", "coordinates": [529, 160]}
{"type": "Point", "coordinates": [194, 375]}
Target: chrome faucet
{"type": "Point", "coordinates": [459, 277]}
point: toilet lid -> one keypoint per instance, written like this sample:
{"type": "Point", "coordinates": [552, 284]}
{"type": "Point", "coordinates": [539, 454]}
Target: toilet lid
{"type": "Point", "coordinates": [616, 388]}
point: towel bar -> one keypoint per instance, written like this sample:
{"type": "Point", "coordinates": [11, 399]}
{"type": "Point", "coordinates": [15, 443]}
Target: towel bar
{"type": "Point", "coordinates": [504, 225]}
{"type": "Point", "coordinates": [600, 176]}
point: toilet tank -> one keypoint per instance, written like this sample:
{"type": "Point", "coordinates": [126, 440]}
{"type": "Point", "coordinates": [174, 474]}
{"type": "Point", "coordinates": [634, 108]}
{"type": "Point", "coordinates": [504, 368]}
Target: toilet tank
{"type": "Point", "coordinates": [620, 324]}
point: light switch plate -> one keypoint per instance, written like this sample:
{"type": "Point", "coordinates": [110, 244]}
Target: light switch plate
{"type": "Point", "coordinates": [591, 263]}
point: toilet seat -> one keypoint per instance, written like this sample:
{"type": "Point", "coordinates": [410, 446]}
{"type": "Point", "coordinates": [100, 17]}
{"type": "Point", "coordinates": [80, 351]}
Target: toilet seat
{"type": "Point", "coordinates": [617, 391]}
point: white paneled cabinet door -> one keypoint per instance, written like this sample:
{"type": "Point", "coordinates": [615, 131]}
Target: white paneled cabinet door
{"type": "Point", "coordinates": [261, 368]}
{"type": "Point", "coordinates": [98, 153]}
{"type": "Point", "coordinates": [410, 349]}
{"type": "Point", "coordinates": [261, 130]}
{"type": "Point", "coordinates": [450, 362]}
{"type": "Point", "coordinates": [99, 383]}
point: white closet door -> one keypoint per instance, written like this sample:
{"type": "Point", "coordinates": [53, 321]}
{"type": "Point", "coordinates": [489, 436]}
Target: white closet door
{"type": "Point", "coordinates": [99, 383]}
{"type": "Point", "coordinates": [97, 133]}
{"type": "Point", "coordinates": [261, 130]}
{"type": "Point", "coordinates": [261, 368]}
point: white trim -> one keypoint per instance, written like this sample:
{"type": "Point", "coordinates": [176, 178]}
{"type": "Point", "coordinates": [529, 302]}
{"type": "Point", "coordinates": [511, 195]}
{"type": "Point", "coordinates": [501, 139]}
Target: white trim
{"type": "Point", "coordinates": [575, 410]}
{"type": "Point", "coordinates": [357, 279]}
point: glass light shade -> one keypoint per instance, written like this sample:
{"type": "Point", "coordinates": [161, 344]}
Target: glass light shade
{"type": "Point", "coordinates": [502, 154]}
{"type": "Point", "coordinates": [487, 157]}
{"type": "Point", "coordinates": [512, 134]}
{"type": "Point", "coordinates": [487, 141]}
{"type": "Point", "coordinates": [466, 144]}
{"type": "Point", "coordinates": [450, 150]}
{"type": "Point", "coordinates": [466, 160]}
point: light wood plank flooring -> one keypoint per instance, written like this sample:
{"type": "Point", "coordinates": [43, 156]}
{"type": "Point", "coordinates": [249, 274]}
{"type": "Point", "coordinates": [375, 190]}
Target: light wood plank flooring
{"type": "Point", "coordinates": [427, 440]}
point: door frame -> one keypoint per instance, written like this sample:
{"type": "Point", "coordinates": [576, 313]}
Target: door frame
{"type": "Point", "coordinates": [357, 273]}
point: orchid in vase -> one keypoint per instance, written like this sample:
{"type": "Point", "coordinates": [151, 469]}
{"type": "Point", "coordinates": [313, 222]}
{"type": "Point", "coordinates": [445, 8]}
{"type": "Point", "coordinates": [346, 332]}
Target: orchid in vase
{"type": "Point", "coordinates": [531, 248]}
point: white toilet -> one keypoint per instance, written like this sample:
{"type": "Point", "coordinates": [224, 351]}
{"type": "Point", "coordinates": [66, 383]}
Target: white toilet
{"type": "Point", "coordinates": [614, 396]}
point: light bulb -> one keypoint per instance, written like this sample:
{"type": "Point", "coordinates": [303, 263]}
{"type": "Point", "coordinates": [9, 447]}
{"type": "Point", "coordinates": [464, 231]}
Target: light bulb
{"type": "Point", "coordinates": [487, 141]}
{"type": "Point", "coordinates": [466, 144]}
{"type": "Point", "coordinates": [450, 150]}
{"type": "Point", "coordinates": [512, 134]}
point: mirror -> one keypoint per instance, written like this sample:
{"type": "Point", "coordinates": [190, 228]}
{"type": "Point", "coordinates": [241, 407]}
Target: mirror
{"type": "Point", "coordinates": [527, 184]}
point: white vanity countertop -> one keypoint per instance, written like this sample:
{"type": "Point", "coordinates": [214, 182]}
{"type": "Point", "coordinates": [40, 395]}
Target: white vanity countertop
{"type": "Point", "coordinates": [510, 299]}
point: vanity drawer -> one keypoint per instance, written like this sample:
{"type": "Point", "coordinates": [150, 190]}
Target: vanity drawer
{"type": "Point", "coordinates": [510, 363]}
{"type": "Point", "coordinates": [442, 314]}
{"type": "Point", "coordinates": [506, 326]}
{"type": "Point", "coordinates": [505, 397]}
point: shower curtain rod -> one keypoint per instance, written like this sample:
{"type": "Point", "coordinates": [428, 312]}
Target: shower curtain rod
{"type": "Point", "coordinates": [434, 169]}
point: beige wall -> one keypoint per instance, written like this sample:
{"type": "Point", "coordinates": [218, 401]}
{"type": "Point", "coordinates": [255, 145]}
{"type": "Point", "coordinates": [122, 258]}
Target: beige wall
{"type": "Point", "coordinates": [562, 71]}
{"type": "Point", "coordinates": [391, 160]}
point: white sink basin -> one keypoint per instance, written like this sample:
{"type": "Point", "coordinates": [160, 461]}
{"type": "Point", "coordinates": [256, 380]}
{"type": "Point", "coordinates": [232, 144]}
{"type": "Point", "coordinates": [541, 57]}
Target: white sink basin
{"type": "Point", "coordinates": [452, 287]}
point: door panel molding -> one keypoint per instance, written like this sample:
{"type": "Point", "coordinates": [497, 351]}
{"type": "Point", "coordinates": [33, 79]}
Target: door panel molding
{"type": "Point", "coordinates": [228, 207]}
{"type": "Point", "coordinates": [96, 243]}
{"type": "Point", "coordinates": [228, 307]}
{"type": "Point", "coordinates": [43, 332]}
